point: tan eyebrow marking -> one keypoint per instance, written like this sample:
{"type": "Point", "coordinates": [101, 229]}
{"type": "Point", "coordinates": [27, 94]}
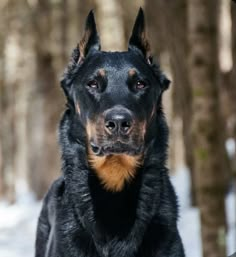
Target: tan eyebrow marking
{"type": "Point", "coordinates": [132, 72]}
{"type": "Point", "coordinates": [102, 72]}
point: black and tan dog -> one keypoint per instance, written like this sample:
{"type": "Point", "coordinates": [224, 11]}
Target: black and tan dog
{"type": "Point", "coordinates": [114, 198]}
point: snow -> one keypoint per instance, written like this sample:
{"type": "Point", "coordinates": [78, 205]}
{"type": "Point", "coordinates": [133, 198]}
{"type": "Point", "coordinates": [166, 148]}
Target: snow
{"type": "Point", "coordinates": [189, 223]}
{"type": "Point", "coordinates": [231, 218]}
{"type": "Point", "coordinates": [18, 222]}
{"type": "Point", "coordinates": [17, 227]}
{"type": "Point", "coordinates": [230, 147]}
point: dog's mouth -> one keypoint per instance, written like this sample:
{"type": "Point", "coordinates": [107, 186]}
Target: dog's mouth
{"type": "Point", "coordinates": [117, 147]}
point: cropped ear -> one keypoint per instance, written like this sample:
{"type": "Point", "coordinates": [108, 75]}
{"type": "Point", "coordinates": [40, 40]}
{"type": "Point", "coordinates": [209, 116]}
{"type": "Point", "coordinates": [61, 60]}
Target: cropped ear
{"type": "Point", "coordinates": [90, 40]}
{"type": "Point", "coordinates": [138, 39]}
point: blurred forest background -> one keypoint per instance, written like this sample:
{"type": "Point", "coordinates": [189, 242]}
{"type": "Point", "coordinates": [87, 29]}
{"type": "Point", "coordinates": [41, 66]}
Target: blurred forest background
{"type": "Point", "coordinates": [195, 43]}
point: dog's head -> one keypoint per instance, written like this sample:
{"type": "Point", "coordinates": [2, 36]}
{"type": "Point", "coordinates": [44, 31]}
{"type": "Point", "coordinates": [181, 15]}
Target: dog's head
{"type": "Point", "coordinates": [114, 94]}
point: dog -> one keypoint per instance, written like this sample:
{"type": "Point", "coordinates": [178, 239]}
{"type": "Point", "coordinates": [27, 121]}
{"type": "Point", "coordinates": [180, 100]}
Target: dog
{"type": "Point", "coordinates": [114, 198]}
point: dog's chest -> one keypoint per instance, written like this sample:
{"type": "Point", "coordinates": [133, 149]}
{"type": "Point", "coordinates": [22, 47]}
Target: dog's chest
{"type": "Point", "coordinates": [70, 239]}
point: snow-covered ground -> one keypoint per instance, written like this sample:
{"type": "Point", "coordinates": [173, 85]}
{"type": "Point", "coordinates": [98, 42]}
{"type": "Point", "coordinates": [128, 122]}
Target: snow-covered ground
{"type": "Point", "coordinates": [189, 223]}
{"type": "Point", "coordinates": [18, 222]}
{"type": "Point", "coordinates": [17, 228]}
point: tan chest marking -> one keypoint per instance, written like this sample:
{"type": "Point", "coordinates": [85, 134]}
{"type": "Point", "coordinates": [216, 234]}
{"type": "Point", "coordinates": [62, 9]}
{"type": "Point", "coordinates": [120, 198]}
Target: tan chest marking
{"type": "Point", "coordinates": [114, 170]}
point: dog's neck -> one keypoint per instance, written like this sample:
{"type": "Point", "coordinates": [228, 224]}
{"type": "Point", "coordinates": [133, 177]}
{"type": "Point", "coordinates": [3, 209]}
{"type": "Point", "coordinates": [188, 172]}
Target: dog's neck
{"type": "Point", "coordinates": [78, 173]}
{"type": "Point", "coordinates": [114, 170]}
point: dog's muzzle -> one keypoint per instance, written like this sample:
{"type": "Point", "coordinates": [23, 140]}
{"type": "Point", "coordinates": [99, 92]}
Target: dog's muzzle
{"type": "Point", "coordinates": [118, 128]}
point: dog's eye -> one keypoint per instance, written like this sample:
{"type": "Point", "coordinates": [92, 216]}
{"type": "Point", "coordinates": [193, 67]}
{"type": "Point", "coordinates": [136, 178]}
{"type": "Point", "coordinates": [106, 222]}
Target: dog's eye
{"type": "Point", "coordinates": [140, 85]}
{"type": "Point", "coordinates": [93, 84]}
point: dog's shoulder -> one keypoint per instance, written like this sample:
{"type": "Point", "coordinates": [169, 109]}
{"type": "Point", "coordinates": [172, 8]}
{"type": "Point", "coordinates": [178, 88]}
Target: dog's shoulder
{"type": "Point", "coordinates": [51, 199]}
{"type": "Point", "coordinates": [56, 190]}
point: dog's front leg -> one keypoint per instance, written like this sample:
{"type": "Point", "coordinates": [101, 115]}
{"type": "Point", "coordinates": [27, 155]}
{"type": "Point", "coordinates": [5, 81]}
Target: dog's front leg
{"type": "Point", "coordinates": [161, 241]}
{"type": "Point", "coordinates": [43, 231]}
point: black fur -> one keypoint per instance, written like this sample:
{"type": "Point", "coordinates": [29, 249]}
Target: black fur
{"type": "Point", "coordinates": [79, 217]}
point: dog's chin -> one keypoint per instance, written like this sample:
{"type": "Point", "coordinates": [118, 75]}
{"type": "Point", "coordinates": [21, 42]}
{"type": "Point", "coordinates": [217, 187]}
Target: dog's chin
{"type": "Point", "coordinates": [116, 148]}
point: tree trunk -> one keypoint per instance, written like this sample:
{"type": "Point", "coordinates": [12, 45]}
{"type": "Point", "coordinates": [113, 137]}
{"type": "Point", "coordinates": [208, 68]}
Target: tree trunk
{"type": "Point", "coordinates": [232, 90]}
{"type": "Point", "coordinates": [129, 10]}
{"type": "Point", "coordinates": [233, 77]}
{"type": "Point", "coordinates": [2, 88]}
{"type": "Point", "coordinates": [77, 12]}
{"type": "Point", "coordinates": [156, 27]}
{"type": "Point", "coordinates": [14, 141]}
{"type": "Point", "coordinates": [7, 121]}
{"type": "Point", "coordinates": [159, 39]}
{"type": "Point", "coordinates": [45, 106]}
{"type": "Point", "coordinates": [174, 40]}
{"type": "Point", "coordinates": [182, 98]}
{"type": "Point", "coordinates": [207, 137]}
{"type": "Point", "coordinates": [109, 19]}
{"type": "Point", "coordinates": [228, 75]}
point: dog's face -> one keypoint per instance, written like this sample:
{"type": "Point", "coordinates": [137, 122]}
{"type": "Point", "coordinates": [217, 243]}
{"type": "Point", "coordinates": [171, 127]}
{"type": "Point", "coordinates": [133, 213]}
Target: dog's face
{"type": "Point", "coordinates": [115, 95]}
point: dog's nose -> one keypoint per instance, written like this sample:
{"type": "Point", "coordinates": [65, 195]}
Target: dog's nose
{"type": "Point", "coordinates": [118, 121]}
